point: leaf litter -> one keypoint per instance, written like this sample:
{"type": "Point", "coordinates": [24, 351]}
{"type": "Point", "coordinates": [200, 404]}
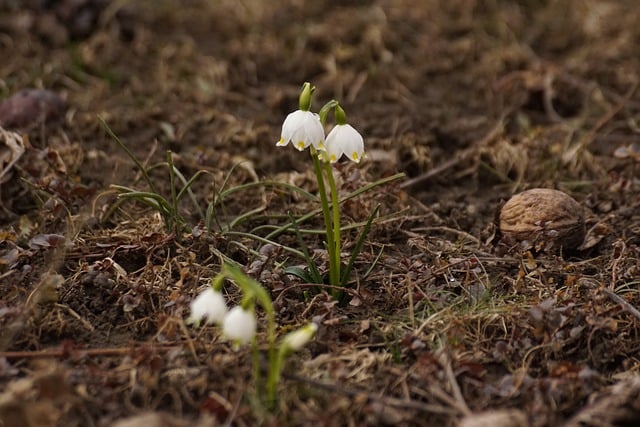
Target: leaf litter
{"type": "Point", "coordinates": [474, 101]}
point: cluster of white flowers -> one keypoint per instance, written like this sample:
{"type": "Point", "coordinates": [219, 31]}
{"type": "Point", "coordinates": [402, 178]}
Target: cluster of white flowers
{"type": "Point", "coordinates": [238, 324]}
{"type": "Point", "coordinates": [303, 129]}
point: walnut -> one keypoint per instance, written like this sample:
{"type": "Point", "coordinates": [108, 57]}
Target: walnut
{"type": "Point", "coordinates": [542, 219]}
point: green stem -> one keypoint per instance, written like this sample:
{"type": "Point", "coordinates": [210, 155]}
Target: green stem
{"type": "Point", "coordinates": [279, 230]}
{"type": "Point", "coordinates": [331, 247]}
{"type": "Point", "coordinates": [335, 205]}
{"type": "Point", "coordinates": [252, 289]}
{"type": "Point", "coordinates": [174, 198]}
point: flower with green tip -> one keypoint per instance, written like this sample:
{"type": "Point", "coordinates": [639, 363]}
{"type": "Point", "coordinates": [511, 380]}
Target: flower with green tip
{"type": "Point", "coordinates": [302, 128]}
{"type": "Point", "coordinates": [297, 339]}
{"type": "Point", "coordinates": [209, 304]}
{"type": "Point", "coordinates": [344, 139]}
{"type": "Point", "coordinates": [239, 325]}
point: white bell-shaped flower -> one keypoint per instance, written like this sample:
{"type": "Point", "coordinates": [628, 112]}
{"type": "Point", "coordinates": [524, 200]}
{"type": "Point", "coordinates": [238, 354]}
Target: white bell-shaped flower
{"type": "Point", "coordinates": [297, 339]}
{"type": "Point", "coordinates": [302, 128]}
{"type": "Point", "coordinates": [240, 325]}
{"type": "Point", "coordinates": [209, 304]}
{"type": "Point", "coordinates": [344, 139]}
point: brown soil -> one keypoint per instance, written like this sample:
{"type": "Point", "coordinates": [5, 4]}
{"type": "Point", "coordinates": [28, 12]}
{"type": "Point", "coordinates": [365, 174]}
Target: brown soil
{"type": "Point", "coordinates": [474, 100]}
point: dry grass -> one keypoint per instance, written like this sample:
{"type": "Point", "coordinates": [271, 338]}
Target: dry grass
{"type": "Point", "coordinates": [473, 100]}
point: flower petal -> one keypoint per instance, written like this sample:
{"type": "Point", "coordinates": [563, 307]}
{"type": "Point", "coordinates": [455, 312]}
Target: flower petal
{"type": "Point", "coordinates": [344, 139]}
{"type": "Point", "coordinates": [302, 128]}
{"type": "Point", "coordinates": [209, 304]}
{"type": "Point", "coordinates": [240, 325]}
{"type": "Point", "coordinates": [295, 340]}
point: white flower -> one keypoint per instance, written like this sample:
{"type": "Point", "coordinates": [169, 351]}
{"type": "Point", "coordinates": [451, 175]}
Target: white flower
{"type": "Point", "coordinates": [303, 128]}
{"type": "Point", "coordinates": [295, 340]}
{"type": "Point", "coordinates": [239, 325]}
{"type": "Point", "coordinates": [209, 304]}
{"type": "Point", "coordinates": [344, 139]}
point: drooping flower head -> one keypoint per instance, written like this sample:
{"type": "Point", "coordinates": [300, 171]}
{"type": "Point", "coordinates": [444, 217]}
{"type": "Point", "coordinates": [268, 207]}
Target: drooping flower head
{"type": "Point", "coordinates": [297, 339]}
{"type": "Point", "coordinates": [302, 127]}
{"type": "Point", "coordinates": [343, 139]}
{"type": "Point", "coordinates": [209, 304]}
{"type": "Point", "coordinates": [240, 325]}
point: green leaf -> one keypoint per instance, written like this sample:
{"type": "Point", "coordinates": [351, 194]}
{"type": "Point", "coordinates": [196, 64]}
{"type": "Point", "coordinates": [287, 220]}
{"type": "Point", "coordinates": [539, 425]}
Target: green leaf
{"type": "Point", "coordinates": [356, 250]}
{"type": "Point", "coordinates": [300, 273]}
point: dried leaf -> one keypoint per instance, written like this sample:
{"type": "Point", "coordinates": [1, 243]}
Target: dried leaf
{"type": "Point", "coordinates": [498, 418]}
{"type": "Point", "coordinates": [11, 149]}
{"type": "Point", "coordinates": [45, 241]}
{"type": "Point", "coordinates": [31, 106]}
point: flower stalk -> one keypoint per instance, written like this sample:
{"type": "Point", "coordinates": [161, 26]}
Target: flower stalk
{"type": "Point", "coordinates": [301, 128]}
{"type": "Point", "coordinates": [240, 324]}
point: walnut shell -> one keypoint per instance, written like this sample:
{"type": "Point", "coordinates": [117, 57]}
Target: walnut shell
{"type": "Point", "coordinates": [542, 219]}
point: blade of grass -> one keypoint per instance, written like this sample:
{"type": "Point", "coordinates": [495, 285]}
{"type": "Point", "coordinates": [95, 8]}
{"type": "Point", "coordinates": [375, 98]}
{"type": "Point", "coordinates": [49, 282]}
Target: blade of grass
{"type": "Point", "coordinates": [174, 199]}
{"type": "Point", "coordinates": [130, 154]}
{"type": "Point", "coordinates": [351, 226]}
{"type": "Point", "coordinates": [154, 201]}
{"type": "Point", "coordinates": [356, 250]}
{"type": "Point", "coordinates": [186, 188]}
{"type": "Point", "coordinates": [241, 218]}
{"type": "Point", "coordinates": [374, 263]}
{"type": "Point", "coordinates": [263, 240]}
{"type": "Point", "coordinates": [267, 184]}
{"type": "Point", "coordinates": [315, 274]}
{"type": "Point", "coordinates": [349, 196]}
{"type": "Point", "coordinates": [127, 193]}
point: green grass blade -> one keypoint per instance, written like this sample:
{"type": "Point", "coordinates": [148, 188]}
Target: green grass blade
{"type": "Point", "coordinates": [368, 187]}
{"type": "Point", "coordinates": [315, 274]}
{"type": "Point", "coordinates": [135, 160]}
{"type": "Point", "coordinates": [356, 250]}
{"type": "Point", "coordinates": [186, 188]}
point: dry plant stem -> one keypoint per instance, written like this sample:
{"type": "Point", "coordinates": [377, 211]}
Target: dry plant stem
{"type": "Point", "coordinates": [464, 155]}
{"type": "Point", "coordinates": [386, 400]}
{"type": "Point", "coordinates": [91, 352]}
{"type": "Point", "coordinates": [412, 315]}
{"type": "Point", "coordinates": [610, 114]}
{"type": "Point", "coordinates": [460, 233]}
{"type": "Point", "coordinates": [461, 404]}
{"type": "Point", "coordinates": [617, 298]}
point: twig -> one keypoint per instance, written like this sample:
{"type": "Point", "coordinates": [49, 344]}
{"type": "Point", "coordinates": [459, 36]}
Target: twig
{"type": "Point", "coordinates": [385, 400]}
{"type": "Point", "coordinates": [606, 117]}
{"type": "Point", "coordinates": [73, 313]}
{"type": "Point", "coordinates": [617, 298]}
{"type": "Point", "coordinates": [459, 158]}
{"type": "Point", "coordinates": [461, 404]}
{"type": "Point", "coordinates": [460, 233]}
{"type": "Point", "coordinates": [91, 352]}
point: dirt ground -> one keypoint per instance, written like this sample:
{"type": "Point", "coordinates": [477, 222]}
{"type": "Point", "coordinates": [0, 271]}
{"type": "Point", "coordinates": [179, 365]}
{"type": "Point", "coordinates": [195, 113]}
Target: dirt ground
{"type": "Point", "coordinates": [473, 100]}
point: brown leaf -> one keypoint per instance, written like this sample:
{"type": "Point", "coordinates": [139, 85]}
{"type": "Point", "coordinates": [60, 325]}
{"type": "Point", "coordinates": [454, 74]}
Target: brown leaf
{"type": "Point", "coordinates": [44, 241]}
{"type": "Point", "coordinates": [498, 418]}
{"type": "Point", "coordinates": [11, 149]}
{"type": "Point", "coordinates": [31, 106]}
